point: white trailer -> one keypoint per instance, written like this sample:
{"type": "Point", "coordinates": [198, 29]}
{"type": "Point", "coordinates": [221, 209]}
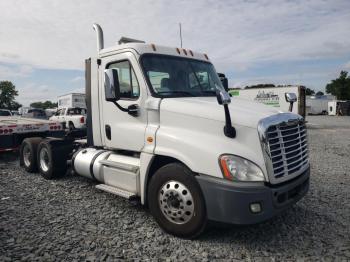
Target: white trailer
{"type": "Point", "coordinates": [72, 100]}
{"type": "Point", "coordinates": [318, 105]}
{"type": "Point", "coordinates": [274, 96]}
{"type": "Point", "coordinates": [159, 131]}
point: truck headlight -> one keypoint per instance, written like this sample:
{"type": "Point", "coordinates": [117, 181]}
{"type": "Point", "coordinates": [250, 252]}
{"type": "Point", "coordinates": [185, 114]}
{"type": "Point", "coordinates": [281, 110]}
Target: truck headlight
{"type": "Point", "coordinates": [240, 169]}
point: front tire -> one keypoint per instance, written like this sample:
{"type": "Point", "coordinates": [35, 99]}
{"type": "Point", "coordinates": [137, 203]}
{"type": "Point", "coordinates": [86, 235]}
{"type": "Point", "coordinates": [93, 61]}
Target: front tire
{"type": "Point", "coordinates": [176, 201]}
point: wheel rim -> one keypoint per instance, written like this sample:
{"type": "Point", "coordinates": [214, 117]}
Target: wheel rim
{"type": "Point", "coordinates": [26, 155]}
{"type": "Point", "coordinates": [176, 202]}
{"type": "Point", "coordinates": [44, 159]}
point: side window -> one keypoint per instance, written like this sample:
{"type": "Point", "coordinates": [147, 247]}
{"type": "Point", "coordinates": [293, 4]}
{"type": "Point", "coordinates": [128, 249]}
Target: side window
{"type": "Point", "coordinates": [58, 112]}
{"type": "Point", "coordinates": [160, 81]}
{"type": "Point", "coordinates": [129, 86]}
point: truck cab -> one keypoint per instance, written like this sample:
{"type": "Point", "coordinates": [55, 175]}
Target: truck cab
{"type": "Point", "coordinates": [162, 129]}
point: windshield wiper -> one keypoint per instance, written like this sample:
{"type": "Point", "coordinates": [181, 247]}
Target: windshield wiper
{"type": "Point", "coordinates": [176, 92]}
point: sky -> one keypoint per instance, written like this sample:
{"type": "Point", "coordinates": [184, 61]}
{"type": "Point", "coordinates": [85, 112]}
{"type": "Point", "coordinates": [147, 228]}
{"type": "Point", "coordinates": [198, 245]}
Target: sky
{"type": "Point", "coordinates": [43, 43]}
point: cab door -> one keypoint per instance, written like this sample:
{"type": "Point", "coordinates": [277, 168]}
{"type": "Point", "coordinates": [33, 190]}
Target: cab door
{"type": "Point", "coordinates": [123, 130]}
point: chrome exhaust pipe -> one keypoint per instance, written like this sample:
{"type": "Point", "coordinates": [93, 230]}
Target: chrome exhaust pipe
{"type": "Point", "coordinates": [99, 35]}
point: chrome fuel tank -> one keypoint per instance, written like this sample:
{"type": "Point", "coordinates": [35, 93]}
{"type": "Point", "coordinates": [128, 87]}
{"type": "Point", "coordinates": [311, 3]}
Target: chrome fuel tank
{"type": "Point", "coordinates": [86, 162]}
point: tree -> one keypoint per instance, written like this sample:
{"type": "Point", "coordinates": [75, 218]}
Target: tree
{"type": "Point", "coordinates": [309, 92]}
{"type": "Point", "coordinates": [14, 106]}
{"type": "Point", "coordinates": [259, 86]}
{"type": "Point", "coordinates": [8, 93]}
{"type": "Point", "coordinates": [319, 93]}
{"type": "Point", "coordinates": [43, 105]}
{"type": "Point", "coordinates": [340, 87]}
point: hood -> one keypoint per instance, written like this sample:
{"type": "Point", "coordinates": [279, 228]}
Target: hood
{"type": "Point", "coordinates": [243, 112]}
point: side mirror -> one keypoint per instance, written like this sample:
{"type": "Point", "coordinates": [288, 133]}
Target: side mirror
{"type": "Point", "coordinates": [112, 90]}
{"type": "Point", "coordinates": [291, 97]}
{"type": "Point", "coordinates": [224, 99]}
{"type": "Point", "coordinates": [222, 96]}
{"type": "Point", "coordinates": [224, 81]}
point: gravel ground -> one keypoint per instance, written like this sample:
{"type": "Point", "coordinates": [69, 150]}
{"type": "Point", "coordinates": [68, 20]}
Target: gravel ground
{"type": "Point", "coordinates": [68, 219]}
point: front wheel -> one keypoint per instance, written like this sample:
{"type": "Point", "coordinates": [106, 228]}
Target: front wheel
{"type": "Point", "coordinates": [176, 201]}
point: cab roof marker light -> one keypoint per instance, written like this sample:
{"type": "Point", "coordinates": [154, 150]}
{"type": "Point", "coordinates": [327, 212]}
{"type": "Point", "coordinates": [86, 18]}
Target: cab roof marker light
{"type": "Point", "coordinates": [206, 57]}
{"type": "Point", "coordinates": [154, 47]}
{"type": "Point", "coordinates": [178, 50]}
{"type": "Point", "coordinates": [185, 52]}
{"type": "Point", "coordinates": [191, 52]}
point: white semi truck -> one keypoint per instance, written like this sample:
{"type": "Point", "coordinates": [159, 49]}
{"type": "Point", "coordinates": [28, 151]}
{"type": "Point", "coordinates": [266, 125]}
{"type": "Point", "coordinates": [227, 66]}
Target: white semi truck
{"type": "Point", "coordinates": [161, 130]}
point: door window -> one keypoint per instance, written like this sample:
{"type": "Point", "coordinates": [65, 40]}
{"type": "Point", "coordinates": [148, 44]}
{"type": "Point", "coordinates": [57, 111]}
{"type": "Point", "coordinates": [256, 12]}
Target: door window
{"type": "Point", "coordinates": [58, 112]}
{"type": "Point", "coordinates": [129, 86]}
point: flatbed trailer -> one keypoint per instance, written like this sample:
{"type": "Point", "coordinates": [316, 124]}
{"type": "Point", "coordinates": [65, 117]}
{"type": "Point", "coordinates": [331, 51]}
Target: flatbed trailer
{"type": "Point", "coordinates": [14, 129]}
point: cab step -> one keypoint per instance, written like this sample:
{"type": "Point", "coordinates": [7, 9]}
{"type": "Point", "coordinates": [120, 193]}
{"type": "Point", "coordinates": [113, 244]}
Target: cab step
{"type": "Point", "coordinates": [117, 191]}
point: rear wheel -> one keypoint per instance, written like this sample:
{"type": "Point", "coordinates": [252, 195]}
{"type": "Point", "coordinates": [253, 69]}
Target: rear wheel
{"type": "Point", "coordinates": [52, 159]}
{"type": "Point", "coordinates": [71, 126]}
{"type": "Point", "coordinates": [28, 153]}
{"type": "Point", "coordinates": [176, 201]}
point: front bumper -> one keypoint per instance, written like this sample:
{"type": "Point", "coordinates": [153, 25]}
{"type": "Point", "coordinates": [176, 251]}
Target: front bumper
{"type": "Point", "coordinates": [230, 202]}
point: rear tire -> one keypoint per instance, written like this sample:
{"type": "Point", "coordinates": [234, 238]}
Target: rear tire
{"type": "Point", "coordinates": [71, 126]}
{"type": "Point", "coordinates": [28, 154]}
{"type": "Point", "coordinates": [52, 158]}
{"type": "Point", "coordinates": [176, 201]}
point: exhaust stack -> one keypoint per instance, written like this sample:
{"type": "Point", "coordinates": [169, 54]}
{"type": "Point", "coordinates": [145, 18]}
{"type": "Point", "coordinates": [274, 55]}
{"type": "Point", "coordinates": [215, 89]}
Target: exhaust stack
{"type": "Point", "coordinates": [99, 35]}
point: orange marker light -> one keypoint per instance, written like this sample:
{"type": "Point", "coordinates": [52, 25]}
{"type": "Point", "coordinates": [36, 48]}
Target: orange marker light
{"type": "Point", "coordinates": [225, 169]}
{"type": "Point", "coordinates": [149, 139]}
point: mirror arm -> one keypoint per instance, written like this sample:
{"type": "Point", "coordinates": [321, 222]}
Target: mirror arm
{"type": "Point", "coordinates": [291, 106]}
{"type": "Point", "coordinates": [120, 107]}
{"type": "Point", "coordinates": [229, 130]}
{"type": "Point", "coordinates": [131, 110]}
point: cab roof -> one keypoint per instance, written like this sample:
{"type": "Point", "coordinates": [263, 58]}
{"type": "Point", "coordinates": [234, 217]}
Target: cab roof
{"type": "Point", "coordinates": [145, 48]}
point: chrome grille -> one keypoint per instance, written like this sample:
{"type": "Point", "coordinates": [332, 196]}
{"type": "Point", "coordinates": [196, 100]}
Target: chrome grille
{"type": "Point", "coordinates": [284, 142]}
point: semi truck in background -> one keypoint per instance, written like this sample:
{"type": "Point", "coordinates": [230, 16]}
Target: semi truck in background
{"type": "Point", "coordinates": [162, 130]}
{"type": "Point", "coordinates": [275, 97]}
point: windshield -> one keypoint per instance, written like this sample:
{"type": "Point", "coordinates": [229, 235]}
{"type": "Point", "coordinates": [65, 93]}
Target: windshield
{"type": "Point", "coordinates": [5, 113]}
{"type": "Point", "coordinates": [171, 76]}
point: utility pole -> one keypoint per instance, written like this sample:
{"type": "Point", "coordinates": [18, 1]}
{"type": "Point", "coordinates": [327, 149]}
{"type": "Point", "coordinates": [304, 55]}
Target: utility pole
{"type": "Point", "coordinates": [180, 35]}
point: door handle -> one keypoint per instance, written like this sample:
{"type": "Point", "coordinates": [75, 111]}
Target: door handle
{"type": "Point", "coordinates": [133, 110]}
{"type": "Point", "coordinates": [108, 131]}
